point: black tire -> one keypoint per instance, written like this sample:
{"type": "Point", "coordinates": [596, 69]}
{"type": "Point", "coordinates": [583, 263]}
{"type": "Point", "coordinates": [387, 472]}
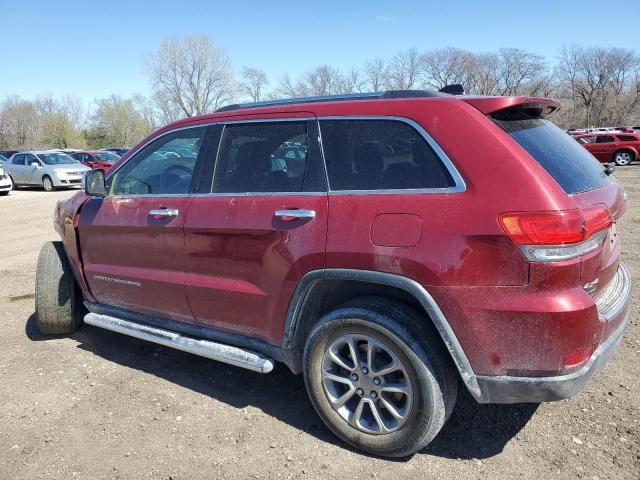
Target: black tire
{"type": "Point", "coordinates": [59, 308]}
{"type": "Point", "coordinates": [4, 193]}
{"type": "Point", "coordinates": [13, 184]}
{"type": "Point", "coordinates": [623, 158]}
{"type": "Point", "coordinates": [47, 184]}
{"type": "Point", "coordinates": [416, 343]}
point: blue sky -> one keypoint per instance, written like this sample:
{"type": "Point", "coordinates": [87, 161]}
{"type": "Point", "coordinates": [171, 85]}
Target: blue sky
{"type": "Point", "coordinates": [94, 49]}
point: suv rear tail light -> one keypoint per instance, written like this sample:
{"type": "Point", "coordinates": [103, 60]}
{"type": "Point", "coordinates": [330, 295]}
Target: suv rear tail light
{"type": "Point", "coordinates": [557, 235]}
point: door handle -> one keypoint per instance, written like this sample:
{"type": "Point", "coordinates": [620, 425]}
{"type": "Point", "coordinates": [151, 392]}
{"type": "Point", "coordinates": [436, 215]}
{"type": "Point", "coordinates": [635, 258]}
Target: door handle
{"type": "Point", "coordinates": [289, 215]}
{"type": "Point", "coordinates": [164, 212]}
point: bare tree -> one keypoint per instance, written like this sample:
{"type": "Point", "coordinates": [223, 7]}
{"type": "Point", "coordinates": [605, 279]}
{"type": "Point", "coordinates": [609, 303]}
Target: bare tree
{"type": "Point", "coordinates": [254, 83]}
{"type": "Point", "coordinates": [19, 119]}
{"type": "Point", "coordinates": [516, 69]}
{"type": "Point", "coordinates": [351, 82]}
{"type": "Point", "coordinates": [481, 74]}
{"type": "Point", "coordinates": [604, 84]}
{"type": "Point", "coordinates": [59, 121]}
{"type": "Point", "coordinates": [117, 122]}
{"type": "Point", "coordinates": [192, 74]}
{"type": "Point", "coordinates": [322, 80]}
{"type": "Point", "coordinates": [166, 110]}
{"type": "Point", "coordinates": [375, 72]}
{"type": "Point", "coordinates": [404, 70]}
{"type": "Point", "coordinates": [445, 66]}
{"type": "Point", "coordinates": [287, 87]}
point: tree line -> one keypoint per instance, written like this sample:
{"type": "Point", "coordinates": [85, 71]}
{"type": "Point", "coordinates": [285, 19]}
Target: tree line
{"type": "Point", "coordinates": [191, 76]}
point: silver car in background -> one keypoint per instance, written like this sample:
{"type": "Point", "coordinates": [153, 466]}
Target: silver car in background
{"type": "Point", "coordinates": [49, 169]}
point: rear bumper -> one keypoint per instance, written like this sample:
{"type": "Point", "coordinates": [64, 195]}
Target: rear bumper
{"type": "Point", "coordinates": [505, 389]}
{"type": "Point", "coordinates": [512, 389]}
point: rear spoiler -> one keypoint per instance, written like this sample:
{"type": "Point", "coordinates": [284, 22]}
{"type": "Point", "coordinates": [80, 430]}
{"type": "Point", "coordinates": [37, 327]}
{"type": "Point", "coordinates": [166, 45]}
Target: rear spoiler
{"type": "Point", "coordinates": [534, 106]}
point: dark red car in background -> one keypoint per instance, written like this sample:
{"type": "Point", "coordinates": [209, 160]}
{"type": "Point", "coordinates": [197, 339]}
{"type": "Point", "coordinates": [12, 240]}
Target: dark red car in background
{"type": "Point", "coordinates": [97, 159]}
{"type": "Point", "coordinates": [621, 148]}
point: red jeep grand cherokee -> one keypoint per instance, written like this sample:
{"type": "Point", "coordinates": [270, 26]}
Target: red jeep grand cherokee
{"type": "Point", "coordinates": [388, 246]}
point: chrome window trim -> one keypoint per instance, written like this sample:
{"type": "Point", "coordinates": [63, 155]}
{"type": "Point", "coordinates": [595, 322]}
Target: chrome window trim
{"type": "Point", "coordinates": [459, 184]}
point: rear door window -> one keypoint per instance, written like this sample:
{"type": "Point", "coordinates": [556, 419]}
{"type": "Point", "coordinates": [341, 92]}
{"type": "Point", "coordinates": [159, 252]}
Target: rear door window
{"type": "Point", "coordinates": [571, 165]}
{"type": "Point", "coordinates": [605, 139]}
{"type": "Point", "coordinates": [380, 155]}
{"type": "Point", "coordinates": [262, 157]}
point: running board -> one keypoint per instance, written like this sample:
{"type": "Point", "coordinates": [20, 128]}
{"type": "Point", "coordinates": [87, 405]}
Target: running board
{"type": "Point", "coordinates": [238, 357]}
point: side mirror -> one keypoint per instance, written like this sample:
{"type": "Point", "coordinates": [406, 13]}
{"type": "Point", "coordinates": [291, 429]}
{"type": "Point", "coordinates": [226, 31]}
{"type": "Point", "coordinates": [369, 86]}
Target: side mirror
{"type": "Point", "coordinates": [93, 183]}
{"type": "Point", "coordinates": [35, 164]}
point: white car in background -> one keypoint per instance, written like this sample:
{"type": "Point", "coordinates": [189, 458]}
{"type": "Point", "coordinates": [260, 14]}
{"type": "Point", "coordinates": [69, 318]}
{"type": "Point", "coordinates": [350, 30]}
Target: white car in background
{"type": "Point", "coordinates": [49, 169]}
{"type": "Point", "coordinates": [5, 181]}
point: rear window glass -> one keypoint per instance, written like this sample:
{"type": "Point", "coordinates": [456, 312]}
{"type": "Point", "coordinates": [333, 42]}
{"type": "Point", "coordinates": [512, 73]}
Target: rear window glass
{"type": "Point", "coordinates": [570, 164]}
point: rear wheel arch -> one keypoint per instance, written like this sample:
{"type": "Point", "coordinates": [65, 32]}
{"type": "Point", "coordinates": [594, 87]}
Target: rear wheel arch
{"type": "Point", "coordinates": [320, 291]}
{"type": "Point", "coordinates": [631, 151]}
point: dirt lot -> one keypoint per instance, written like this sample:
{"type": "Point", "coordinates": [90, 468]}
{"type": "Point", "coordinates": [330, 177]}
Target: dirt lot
{"type": "Point", "coordinates": [101, 405]}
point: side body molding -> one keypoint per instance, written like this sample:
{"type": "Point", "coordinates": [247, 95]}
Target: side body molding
{"type": "Point", "coordinates": [304, 292]}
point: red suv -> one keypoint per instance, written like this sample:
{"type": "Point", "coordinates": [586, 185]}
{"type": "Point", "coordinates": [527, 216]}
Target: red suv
{"type": "Point", "coordinates": [96, 159]}
{"type": "Point", "coordinates": [621, 148]}
{"type": "Point", "coordinates": [364, 242]}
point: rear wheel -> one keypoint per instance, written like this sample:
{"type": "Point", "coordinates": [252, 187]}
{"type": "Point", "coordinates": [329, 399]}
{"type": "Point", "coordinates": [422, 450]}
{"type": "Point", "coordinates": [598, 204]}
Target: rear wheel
{"type": "Point", "coordinates": [47, 184]}
{"type": "Point", "coordinates": [623, 157]}
{"type": "Point", "coordinates": [14, 186]}
{"type": "Point", "coordinates": [4, 193]}
{"type": "Point", "coordinates": [59, 306]}
{"type": "Point", "coordinates": [378, 376]}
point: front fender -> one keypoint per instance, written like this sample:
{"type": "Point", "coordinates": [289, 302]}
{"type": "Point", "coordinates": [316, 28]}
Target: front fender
{"type": "Point", "coordinates": [66, 216]}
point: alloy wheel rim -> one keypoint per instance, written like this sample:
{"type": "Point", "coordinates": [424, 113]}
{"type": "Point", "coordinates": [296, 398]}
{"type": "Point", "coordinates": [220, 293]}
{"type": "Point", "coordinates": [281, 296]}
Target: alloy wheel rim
{"type": "Point", "coordinates": [47, 184]}
{"type": "Point", "coordinates": [367, 384]}
{"type": "Point", "coordinates": [624, 158]}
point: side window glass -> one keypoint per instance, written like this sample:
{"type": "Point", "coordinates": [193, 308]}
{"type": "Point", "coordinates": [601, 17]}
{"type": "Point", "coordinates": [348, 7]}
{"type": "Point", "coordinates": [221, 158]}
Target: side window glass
{"type": "Point", "coordinates": [18, 160]}
{"type": "Point", "coordinates": [164, 167]}
{"type": "Point", "coordinates": [29, 159]}
{"type": "Point", "coordinates": [604, 139]}
{"type": "Point", "coordinates": [626, 138]}
{"type": "Point", "coordinates": [262, 157]}
{"type": "Point", "coordinates": [380, 155]}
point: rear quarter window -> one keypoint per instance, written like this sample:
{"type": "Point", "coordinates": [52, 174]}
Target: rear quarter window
{"type": "Point", "coordinates": [570, 164]}
{"type": "Point", "coordinates": [628, 138]}
{"type": "Point", "coordinates": [379, 155]}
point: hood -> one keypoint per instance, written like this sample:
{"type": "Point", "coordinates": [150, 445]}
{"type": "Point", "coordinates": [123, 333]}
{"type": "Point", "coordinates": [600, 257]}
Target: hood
{"type": "Point", "coordinates": [73, 167]}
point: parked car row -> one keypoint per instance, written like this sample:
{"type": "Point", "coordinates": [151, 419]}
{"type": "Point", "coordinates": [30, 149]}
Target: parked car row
{"type": "Point", "coordinates": [52, 169]}
{"type": "Point", "coordinates": [582, 131]}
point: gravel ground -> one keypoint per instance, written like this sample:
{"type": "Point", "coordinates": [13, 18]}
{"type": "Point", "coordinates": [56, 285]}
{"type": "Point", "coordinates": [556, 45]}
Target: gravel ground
{"type": "Point", "coordinates": [99, 405]}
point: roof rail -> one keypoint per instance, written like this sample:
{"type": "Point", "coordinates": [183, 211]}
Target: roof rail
{"type": "Point", "coordinates": [336, 98]}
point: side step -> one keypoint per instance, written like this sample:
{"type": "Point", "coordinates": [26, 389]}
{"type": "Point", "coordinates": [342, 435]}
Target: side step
{"type": "Point", "coordinates": [205, 348]}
